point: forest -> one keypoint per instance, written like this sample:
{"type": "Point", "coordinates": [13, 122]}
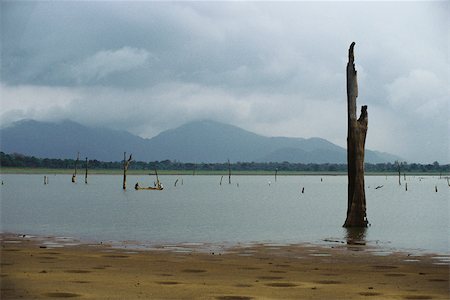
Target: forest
{"type": "Point", "coordinates": [23, 161]}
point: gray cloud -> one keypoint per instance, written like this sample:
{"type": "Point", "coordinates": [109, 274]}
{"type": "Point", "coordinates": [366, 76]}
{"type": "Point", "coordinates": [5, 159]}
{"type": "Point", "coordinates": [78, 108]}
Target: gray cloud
{"type": "Point", "coordinates": [276, 68]}
{"type": "Point", "coordinates": [107, 62]}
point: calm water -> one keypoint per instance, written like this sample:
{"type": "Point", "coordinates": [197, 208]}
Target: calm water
{"type": "Point", "coordinates": [248, 210]}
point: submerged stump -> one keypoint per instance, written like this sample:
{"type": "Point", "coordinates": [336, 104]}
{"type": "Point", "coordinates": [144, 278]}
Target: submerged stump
{"type": "Point", "coordinates": [356, 139]}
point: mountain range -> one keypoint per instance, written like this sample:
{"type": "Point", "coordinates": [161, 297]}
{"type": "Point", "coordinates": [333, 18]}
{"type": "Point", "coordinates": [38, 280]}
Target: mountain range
{"type": "Point", "coordinates": [200, 141]}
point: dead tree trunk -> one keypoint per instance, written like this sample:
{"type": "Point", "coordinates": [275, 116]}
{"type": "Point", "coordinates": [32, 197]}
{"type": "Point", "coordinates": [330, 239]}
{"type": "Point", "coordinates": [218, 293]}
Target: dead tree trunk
{"type": "Point", "coordinates": [229, 172]}
{"type": "Point", "coordinates": [356, 139]}
{"type": "Point", "coordinates": [86, 171]}
{"type": "Point", "coordinates": [126, 163]}
{"type": "Point", "coordinates": [399, 168]}
{"type": "Point", "coordinates": [74, 176]}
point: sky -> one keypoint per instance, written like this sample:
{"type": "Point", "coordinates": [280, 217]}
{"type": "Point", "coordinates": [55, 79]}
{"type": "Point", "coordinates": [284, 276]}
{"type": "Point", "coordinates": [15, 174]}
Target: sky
{"type": "Point", "coordinates": [274, 68]}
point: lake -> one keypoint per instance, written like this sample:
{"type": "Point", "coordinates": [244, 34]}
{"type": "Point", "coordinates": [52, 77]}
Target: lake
{"type": "Point", "coordinates": [251, 209]}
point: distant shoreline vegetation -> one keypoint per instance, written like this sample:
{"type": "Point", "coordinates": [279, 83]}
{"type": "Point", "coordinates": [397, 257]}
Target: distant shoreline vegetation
{"type": "Point", "coordinates": [11, 163]}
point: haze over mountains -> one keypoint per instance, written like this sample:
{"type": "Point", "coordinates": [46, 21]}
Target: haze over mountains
{"type": "Point", "coordinates": [199, 141]}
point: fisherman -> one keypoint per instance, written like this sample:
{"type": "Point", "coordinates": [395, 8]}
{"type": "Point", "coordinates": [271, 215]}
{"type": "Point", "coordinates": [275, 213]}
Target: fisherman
{"type": "Point", "coordinates": [136, 186]}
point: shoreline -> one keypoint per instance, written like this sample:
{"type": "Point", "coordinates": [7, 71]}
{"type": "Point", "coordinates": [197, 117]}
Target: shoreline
{"type": "Point", "coordinates": [58, 267]}
{"type": "Point", "coordinates": [45, 171]}
{"type": "Point", "coordinates": [373, 247]}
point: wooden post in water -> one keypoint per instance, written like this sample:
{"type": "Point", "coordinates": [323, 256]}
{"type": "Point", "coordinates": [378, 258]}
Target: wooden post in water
{"type": "Point", "coordinates": [86, 171]}
{"type": "Point", "coordinates": [276, 172]}
{"type": "Point", "coordinates": [229, 172]}
{"type": "Point", "coordinates": [399, 168]}
{"type": "Point", "coordinates": [126, 163]}
{"type": "Point", "coordinates": [356, 138]}
{"type": "Point", "coordinates": [74, 176]}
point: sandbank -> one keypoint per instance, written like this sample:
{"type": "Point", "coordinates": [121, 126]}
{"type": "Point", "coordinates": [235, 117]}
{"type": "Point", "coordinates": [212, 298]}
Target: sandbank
{"type": "Point", "coordinates": [46, 268]}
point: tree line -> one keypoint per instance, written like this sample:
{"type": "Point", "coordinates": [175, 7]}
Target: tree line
{"type": "Point", "coordinates": [23, 161]}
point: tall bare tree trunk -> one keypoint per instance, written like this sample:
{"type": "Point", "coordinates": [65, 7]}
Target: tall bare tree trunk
{"type": "Point", "coordinates": [356, 139]}
{"type": "Point", "coordinates": [126, 163]}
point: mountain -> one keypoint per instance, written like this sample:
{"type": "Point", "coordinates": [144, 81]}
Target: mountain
{"type": "Point", "coordinates": [65, 139]}
{"type": "Point", "coordinates": [200, 141]}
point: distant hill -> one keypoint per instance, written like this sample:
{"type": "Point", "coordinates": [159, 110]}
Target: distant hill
{"type": "Point", "coordinates": [200, 141]}
{"type": "Point", "coordinates": [64, 139]}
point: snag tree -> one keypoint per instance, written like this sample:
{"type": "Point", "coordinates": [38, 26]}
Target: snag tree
{"type": "Point", "coordinates": [126, 163]}
{"type": "Point", "coordinates": [356, 139]}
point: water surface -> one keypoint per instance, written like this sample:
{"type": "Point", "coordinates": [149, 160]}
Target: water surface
{"type": "Point", "coordinates": [251, 209]}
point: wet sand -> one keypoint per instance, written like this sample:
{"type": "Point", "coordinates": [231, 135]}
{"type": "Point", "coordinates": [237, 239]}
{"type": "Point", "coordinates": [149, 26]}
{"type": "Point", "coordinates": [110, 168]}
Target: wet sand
{"type": "Point", "coordinates": [40, 268]}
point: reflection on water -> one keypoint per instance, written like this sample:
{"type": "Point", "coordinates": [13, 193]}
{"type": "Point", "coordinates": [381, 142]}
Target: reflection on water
{"type": "Point", "coordinates": [356, 235]}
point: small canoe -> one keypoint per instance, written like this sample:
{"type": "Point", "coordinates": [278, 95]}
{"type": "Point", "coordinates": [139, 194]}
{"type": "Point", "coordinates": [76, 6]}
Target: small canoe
{"type": "Point", "coordinates": [157, 188]}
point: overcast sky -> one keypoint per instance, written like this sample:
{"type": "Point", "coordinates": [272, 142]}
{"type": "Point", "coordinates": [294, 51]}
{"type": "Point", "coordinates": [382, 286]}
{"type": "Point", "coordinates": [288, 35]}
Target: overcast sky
{"type": "Point", "coordinates": [277, 69]}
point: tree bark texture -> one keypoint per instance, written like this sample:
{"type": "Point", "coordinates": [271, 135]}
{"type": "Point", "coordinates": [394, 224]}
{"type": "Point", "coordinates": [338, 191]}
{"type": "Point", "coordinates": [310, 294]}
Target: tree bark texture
{"type": "Point", "coordinates": [356, 139]}
{"type": "Point", "coordinates": [126, 163]}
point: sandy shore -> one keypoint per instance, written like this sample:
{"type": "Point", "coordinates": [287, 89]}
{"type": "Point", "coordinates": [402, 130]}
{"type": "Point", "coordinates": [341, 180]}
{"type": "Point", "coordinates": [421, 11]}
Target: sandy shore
{"type": "Point", "coordinates": [39, 268]}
